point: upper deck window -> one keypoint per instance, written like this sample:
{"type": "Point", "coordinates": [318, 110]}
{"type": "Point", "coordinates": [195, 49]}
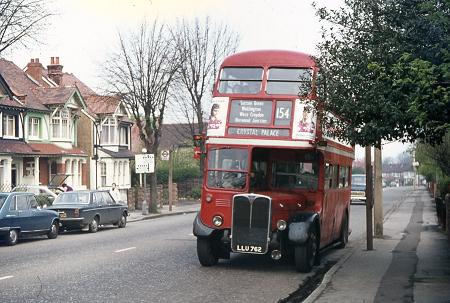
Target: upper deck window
{"type": "Point", "coordinates": [240, 80]}
{"type": "Point", "coordinates": [289, 81]}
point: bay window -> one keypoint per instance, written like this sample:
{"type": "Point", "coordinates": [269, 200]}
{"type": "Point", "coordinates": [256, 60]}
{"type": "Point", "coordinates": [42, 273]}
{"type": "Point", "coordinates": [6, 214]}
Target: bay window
{"type": "Point", "coordinates": [103, 174]}
{"type": "Point", "coordinates": [123, 135]}
{"type": "Point", "coordinates": [109, 131]}
{"type": "Point", "coordinates": [33, 127]}
{"type": "Point", "coordinates": [60, 124]}
{"type": "Point", "coordinates": [9, 125]}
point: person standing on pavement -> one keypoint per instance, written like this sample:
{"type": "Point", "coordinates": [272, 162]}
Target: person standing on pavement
{"type": "Point", "coordinates": [115, 193]}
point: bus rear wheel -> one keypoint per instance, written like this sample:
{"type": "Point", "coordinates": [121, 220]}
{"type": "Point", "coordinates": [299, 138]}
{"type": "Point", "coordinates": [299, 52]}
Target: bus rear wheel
{"type": "Point", "coordinates": [343, 238]}
{"type": "Point", "coordinates": [206, 252]}
{"type": "Point", "coordinates": [306, 255]}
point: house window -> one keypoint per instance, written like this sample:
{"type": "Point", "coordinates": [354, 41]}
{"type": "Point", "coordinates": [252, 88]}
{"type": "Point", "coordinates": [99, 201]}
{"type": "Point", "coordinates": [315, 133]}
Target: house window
{"type": "Point", "coordinates": [109, 131]}
{"type": "Point", "coordinates": [60, 124]}
{"type": "Point", "coordinates": [103, 174]}
{"type": "Point", "coordinates": [120, 173]}
{"type": "Point", "coordinates": [28, 169]}
{"type": "Point", "coordinates": [9, 125]}
{"type": "Point", "coordinates": [123, 135]}
{"type": "Point", "coordinates": [115, 172]}
{"type": "Point", "coordinates": [80, 167]}
{"type": "Point", "coordinates": [33, 127]}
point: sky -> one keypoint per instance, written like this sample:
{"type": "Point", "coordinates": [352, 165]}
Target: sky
{"type": "Point", "coordinates": [83, 33]}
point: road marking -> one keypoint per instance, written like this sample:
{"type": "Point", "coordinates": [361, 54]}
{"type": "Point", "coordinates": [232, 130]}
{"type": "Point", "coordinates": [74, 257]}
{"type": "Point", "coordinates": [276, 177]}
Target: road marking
{"type": "Point", "coordinates": [6, 277]}
{"type": "Point", "coordinates": [125, 249]}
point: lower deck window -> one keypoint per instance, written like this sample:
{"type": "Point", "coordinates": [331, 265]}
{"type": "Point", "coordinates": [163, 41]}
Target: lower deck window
{"type": "Point", "coordinates": [295, 175]}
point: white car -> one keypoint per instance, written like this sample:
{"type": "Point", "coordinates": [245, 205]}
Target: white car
{"type": "Point", "coordinates": [38, 190]}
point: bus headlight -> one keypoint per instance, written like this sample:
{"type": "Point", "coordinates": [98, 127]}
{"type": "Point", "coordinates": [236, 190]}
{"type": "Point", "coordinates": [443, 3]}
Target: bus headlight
{"type": "Point", "coordinates": [217, 221]}
{"type": "Point", "coordinates": [281, 225]}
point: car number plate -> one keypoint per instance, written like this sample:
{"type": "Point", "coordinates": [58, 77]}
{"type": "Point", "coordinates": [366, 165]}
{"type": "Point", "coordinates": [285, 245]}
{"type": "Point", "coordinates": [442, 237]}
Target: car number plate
{"type": "Point", "coordinates": [249, 248]}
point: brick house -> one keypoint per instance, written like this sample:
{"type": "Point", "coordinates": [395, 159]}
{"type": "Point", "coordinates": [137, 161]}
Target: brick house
{"type": "Point", "coordinates": [39, 134]}
{"type": "Point", "coordinates": [103, 128]}
{"type": "Point", "coordinates": [109, 127]}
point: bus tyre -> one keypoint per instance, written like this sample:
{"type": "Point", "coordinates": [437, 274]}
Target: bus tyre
{"type": "Point", "coordinates": [343, 238]}
{"type": "Point", "coordinates": [306, 255]}
{"type": "Point", "coordinates": [205, 252]}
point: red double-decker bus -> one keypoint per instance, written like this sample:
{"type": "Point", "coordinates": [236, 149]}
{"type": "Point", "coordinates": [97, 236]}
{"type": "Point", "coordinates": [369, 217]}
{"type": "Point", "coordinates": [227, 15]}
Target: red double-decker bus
{"type": "Point", "coordinates": [274, 183]}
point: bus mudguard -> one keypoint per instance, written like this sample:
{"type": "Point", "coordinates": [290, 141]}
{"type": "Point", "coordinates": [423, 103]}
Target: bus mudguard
{"type": "Point", "coordinates": [299, 227]}
{"type": "Point", "coordinates": [201, 230]}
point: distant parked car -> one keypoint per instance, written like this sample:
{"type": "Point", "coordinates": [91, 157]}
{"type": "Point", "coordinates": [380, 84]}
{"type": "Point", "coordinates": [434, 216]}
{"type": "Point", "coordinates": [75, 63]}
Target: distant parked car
{"type": "Point", "coordinates": [358, 188]}
{"type": "Point", "coordinates": [20, 216]}
{"type": "Point", "coordinates": [39, 191]}
{"type": "Point", "coordinates": [89, 209]}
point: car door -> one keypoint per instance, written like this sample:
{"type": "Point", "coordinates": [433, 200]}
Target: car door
{"type": "Point", "coordinates": [41, 219]}
{"type": "Point", "coordinates": [114, 208]}
{"type": "Point", "coordinates": [11, 217]}
{"type": "Point", "coordinates": [24, 213]}
{"type": "Point", "coordinates": [102, 207]}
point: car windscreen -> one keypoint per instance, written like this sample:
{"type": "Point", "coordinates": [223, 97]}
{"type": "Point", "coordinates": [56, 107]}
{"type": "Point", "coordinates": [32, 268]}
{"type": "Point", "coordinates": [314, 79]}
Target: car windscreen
{"type": "Point", "coordinates": [2, 200]}
{"type": "Point", "coordinates": [359, 180]}
{"type": "Point", "coordinates": [72, 198]}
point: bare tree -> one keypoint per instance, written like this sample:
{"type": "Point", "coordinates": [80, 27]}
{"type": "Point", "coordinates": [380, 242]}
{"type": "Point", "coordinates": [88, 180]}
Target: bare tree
{"type": "Point", "coordinates": [21, 21]}
{"type": "Point", "coordinates": [202, 47]}
{"type": "Point", "coordinates": [142, 72]}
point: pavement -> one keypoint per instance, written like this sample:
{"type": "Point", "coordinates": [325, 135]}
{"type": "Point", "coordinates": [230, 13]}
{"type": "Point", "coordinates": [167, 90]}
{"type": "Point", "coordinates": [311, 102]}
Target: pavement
{"type": "Point", "coordinates": [179, 208]}
{"type": "Point", "coordinates": [410, 263]}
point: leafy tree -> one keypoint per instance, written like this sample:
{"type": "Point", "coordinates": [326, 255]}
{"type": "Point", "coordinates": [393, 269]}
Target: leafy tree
{"type": "Point", "coordinates": [384, 70]}
{"type": "Point", "coordinates": [21, 21]}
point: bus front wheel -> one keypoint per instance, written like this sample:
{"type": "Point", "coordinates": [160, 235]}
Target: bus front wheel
{"type": "Point", "coordinates": [205, 252]}
{"type": "Point", "coordinates": [306, 255]}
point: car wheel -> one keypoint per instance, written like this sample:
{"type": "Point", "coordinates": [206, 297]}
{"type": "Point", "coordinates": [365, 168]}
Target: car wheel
{"type": "Point", "coordinates": [54, 230]}
{"type": "Point", "coordinates": [123, 221]}
{"type": "Point", "coordinates": [306, 256]}
{"type": "Point", "coordinates": [343, 238]}
{"type": "Point", "coordinates": [205, 252]}
{"type": "Point", "coordinates": [93, 226]}
{"type": "Point", "coordinates": [12, 238]}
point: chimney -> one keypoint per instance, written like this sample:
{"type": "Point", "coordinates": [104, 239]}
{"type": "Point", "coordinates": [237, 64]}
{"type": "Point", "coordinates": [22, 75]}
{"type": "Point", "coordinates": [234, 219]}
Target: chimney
{"type": "Point", "coordinates": [55, 70]}
{"type": "Point", "coordinates": [34, 69]}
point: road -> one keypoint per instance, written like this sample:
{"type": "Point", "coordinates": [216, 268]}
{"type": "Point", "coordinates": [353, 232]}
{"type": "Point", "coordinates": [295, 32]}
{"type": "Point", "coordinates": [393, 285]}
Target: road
{"type": "Point", "coordinates": [148, 261]}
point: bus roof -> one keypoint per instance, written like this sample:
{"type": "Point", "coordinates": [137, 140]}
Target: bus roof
{"type": "Point", "coordinates": [270, 58]}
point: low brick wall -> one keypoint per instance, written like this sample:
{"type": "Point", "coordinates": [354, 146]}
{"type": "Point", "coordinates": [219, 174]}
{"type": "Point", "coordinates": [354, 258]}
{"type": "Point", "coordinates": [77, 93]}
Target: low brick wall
{"type": "Point", "coordinates": [136, 196]}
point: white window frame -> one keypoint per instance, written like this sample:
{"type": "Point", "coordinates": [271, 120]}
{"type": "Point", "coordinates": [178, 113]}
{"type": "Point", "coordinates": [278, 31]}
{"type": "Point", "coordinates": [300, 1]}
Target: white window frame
{"type": "Point", "coordinates": [123, 135]}
{"type": "Point", "coordinates": [103, 174]}
{"type": "Point", "coordinates": [29, 168]}
{"type": "Point", "coordinates": [109, 131]}
{"type": "Point", "coordinates": [60, 118]}
{"type": "Point", "coordinates": [5, 121]}
{"type": "Point", "coordinates": [33, 127]}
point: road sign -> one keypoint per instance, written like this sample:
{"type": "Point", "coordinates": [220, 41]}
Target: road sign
{"type": "Point", "coordinates": [165, 155]}
{"type": "Point", "coordinates": [145, 163]}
